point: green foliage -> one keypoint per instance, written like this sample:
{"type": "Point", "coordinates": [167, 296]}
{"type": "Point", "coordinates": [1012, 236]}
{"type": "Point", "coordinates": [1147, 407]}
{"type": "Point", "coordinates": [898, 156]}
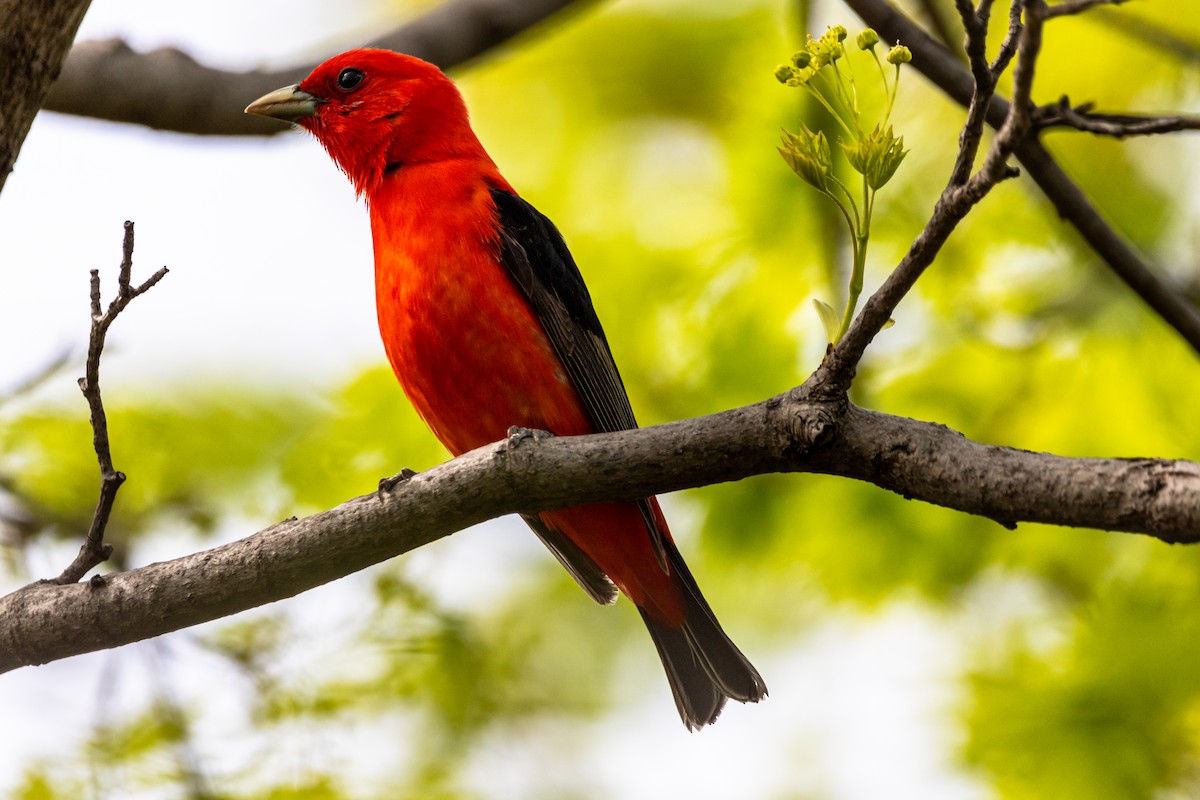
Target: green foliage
{"type": "Point", "coordinates": [369, 432]}
{"type": "Point", "coordinates": [644, 133]}
{"type": "Point", "coordinates": [230, 438]}
{"type": "Point", "coordinates": [1111, 710]}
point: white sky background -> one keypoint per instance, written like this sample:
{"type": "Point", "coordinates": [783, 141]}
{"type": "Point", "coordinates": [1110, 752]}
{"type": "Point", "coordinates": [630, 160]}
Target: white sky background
{"type": "Point", "coordinates": [271, 275]}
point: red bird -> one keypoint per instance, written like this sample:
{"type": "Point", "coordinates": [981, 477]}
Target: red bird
{"type": "Point", "coordinates": [487, 324]}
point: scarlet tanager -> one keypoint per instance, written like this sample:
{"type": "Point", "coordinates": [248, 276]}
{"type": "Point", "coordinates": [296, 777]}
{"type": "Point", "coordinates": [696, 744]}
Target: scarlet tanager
{"type": "Point", "coordinates": [487, 324]}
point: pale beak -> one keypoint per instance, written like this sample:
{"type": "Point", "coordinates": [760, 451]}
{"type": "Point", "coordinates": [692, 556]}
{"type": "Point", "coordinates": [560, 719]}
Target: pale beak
{"type": "Point", "coordinates": [288, 104]}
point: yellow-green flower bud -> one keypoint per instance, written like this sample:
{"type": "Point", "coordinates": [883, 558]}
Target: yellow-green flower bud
{"type": "Point", "coordinates": [783, 72]}
{"type": "Point", "coordinates": [899, 55]}
{"type": "Point", "coordinates": [802, 59]}
{"type": "Point", "coordinates": [840, 32]}
{"type": "Point", "coordinates": [807, 153]}
{"type": "Point", "coordinates": [867, 39]}
{"type": "Point", "coordinates": [876, 156]}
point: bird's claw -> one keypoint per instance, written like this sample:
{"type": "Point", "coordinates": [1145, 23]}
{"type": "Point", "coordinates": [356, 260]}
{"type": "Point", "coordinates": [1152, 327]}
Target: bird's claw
{"type": "Point", "coordinates": [517, 434]}
{"type": "Point", "coordinates": [387, 484]}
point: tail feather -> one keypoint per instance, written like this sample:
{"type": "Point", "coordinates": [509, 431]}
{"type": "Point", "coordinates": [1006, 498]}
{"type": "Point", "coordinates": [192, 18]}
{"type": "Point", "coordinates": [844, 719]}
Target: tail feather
{"type": "Point", "coordinates": [704, 667]}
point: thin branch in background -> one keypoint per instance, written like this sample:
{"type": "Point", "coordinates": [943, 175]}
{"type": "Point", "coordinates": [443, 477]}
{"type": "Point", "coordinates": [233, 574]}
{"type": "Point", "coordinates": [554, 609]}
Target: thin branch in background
{"type": "Point", "coordinates": [1078, 7]}
{"type": "Point", "coordinates": [947, 33]}
{"type": "Point", "coordinates": [1071, 203]}
{"type": "Point", "coordinates": [17, 521]}
{"type": "Point", "coordinates": [1149, 33]}
{"type": "Point", "coordinates": [191, 775]}
{"type": "Point", "coordinates": [1081, 118]}
{"type": "Point", "coordinates": [107, 689]}
{"type": "Point", "coordinates": [39, 376]}
{"type": "Point", "coordinates": [94, 549]}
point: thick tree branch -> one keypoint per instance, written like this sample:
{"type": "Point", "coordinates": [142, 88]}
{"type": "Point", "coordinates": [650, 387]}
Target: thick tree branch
{"type": "Point", "coordinates": [944, 70]}
{"type": "Point", "coordinates": [34, 40]}
{"type": "Point", "coordinates": [44, 622]}
{"type": "Point", "coordinates": [168, 90]}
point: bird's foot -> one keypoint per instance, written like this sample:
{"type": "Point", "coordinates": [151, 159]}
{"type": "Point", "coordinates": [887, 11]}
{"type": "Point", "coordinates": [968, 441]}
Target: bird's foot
{"type": "Point", "coordinates": [517, 435]}
{"type": "Point", "coordinates": [387, 484]}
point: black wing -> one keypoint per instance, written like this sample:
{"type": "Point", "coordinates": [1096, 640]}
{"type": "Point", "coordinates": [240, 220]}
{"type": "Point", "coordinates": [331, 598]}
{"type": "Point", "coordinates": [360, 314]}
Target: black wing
{"type": "Point", "coordinates": [537, 258]}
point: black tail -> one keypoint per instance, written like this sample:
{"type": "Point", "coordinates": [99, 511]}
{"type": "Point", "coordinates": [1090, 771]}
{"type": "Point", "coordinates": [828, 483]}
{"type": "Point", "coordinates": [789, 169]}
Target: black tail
{"type": "Point", "coordinates": [703, 666]}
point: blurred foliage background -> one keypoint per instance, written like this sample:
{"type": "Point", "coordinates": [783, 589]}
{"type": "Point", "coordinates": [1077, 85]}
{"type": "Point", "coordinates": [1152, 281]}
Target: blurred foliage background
{"type": "Point", "coordinates": [647, 131]}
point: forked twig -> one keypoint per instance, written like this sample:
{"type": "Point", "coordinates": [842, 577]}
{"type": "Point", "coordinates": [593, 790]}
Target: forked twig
{"type": "Point", "coordinates": [94, 549]}
{"type": "Point", "coordinates": [1081, 118]}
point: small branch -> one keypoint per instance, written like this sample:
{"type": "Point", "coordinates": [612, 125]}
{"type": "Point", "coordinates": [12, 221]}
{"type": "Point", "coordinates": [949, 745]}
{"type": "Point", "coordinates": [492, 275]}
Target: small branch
{"type": "Point", "coordinates": [94, 549]}
{"type": "Point", "coordinates": [938, 20]}
{"type": "Point", "coordinates": [1078, 7]}
{"type": "Point", "coordinates": [1008, 47]}
{"type": "Point", "coordinates": [981, 95]}
{"type": "Point", "coordinates": [1020, 111]}
{"type": "Point", "coordinates": [1081, 118]}
{"type": "Point", "coordinates": [943, 69]}
{"type": "Point", "coordinates": [975, 23]}
{"type": "Point", "coordinates": [961, 194]}
{"type": "Point", "coordinates": [44, 622]}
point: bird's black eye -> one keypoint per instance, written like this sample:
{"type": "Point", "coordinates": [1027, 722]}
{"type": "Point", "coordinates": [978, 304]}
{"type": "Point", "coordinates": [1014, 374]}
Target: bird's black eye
{"type": "Point", "coordinates": [350, 78]}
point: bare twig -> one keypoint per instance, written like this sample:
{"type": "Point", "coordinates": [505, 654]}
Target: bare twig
{"type": "Point", "coordinates": [941, 67]}
{"type": "Point", "coordinates": [94, 549]}
{"type": "Point", "coordinates": [1078, 7]}
{"type": "Point", "coordinates": [975, 22]}
{"type": "Point", "coordinates": [1026, 42]}
{"type": "Point", "coordinates": [1081, 118]}
{"type": "Point", "coordinates": [939, 22]}
{"type": "Point", "coordinates": [1008, 47]}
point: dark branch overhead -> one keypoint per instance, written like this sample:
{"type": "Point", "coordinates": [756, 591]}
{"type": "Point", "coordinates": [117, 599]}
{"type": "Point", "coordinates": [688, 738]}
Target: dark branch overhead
{"type": "Point", "coordinates": [169, 90]}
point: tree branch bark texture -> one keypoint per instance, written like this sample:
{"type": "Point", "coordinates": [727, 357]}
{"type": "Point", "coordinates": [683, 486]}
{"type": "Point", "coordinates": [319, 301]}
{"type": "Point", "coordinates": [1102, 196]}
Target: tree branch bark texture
{"type": "Point", "coordinates": [169, 90]}
{"type": "Point", "coordinates": [34, 41]}
{"type": "Point", "coordinates": [45, 621]}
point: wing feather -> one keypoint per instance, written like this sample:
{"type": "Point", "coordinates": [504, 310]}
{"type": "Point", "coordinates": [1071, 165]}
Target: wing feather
{"type": "Point", "coordinates": [537, 258]}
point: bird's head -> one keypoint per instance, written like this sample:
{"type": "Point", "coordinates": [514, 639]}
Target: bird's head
{"type": "Point", "coordinates": [377, 111]}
